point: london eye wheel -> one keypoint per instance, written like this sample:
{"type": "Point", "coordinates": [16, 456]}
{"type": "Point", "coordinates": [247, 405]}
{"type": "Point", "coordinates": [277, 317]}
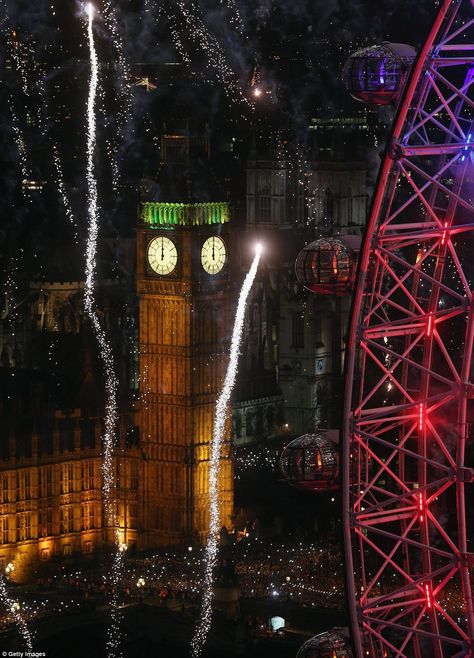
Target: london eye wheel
{"type": "Point", "coordinates": [408, 452]}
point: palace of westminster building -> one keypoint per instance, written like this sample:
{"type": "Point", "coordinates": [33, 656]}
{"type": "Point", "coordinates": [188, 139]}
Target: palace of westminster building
{"type": "Point", "coordinates": [169, 314]}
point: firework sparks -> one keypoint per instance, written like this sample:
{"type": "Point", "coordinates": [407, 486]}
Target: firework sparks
{"type": "Point", "coordinates": [14, 609]}
{"type": "Point", "coordinates": [114, 28]}
{"type": "Point", "coordinates": [113, 643]}
{"type": "Point", "coordinates": [20, 62]}
{"type": "Point", "coordinates": [4, 18]}
{"type": "Point", "coordinates": [124, 97]}
{"type": "Point", "coordinates": [114, 636]}
{"type": "Point", "coordinates": [214, 52]}
{"type": "Point", "coordinates": [236, 19]}
{"type": "Point", "coordinates": [15, 123]}
{"type": "Point", "coordinates": [62, 190]}
{"type": "Point", "coordinates": [21, 146]}
{"type": "Point", "coordinates": [178, 41]}
{"type": "Point", "coordinates": [91, 252]}
{"type": "Point", "coordinates": [220, 418]}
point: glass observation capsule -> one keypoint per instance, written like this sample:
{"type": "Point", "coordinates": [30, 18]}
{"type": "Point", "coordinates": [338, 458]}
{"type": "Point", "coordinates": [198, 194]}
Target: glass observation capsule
{"type": "Point", "coordinates": [325, 645]}
{"type": "Point", "coordinates": [327, 266]}
{"type": "Point", "coordinates": [376, 75]}
{"type": "Point", "coordinates": [311, 462]}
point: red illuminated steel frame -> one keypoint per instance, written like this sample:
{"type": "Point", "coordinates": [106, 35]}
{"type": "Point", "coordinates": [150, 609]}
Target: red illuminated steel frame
{"type": "Point", "coordinates": [408, 452]}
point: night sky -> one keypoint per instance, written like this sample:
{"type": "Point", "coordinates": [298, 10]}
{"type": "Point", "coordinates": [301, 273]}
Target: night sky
{"type": "Point", "coordinates": [201, 57]}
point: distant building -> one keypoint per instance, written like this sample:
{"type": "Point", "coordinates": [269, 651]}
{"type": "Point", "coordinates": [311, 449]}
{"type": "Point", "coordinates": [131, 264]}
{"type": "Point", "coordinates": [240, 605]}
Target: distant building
{"type": "Point", "coordinates": [297, 336]}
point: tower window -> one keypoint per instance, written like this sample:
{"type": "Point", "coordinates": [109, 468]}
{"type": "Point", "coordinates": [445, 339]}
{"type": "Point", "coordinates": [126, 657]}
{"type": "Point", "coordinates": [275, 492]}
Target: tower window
{"type": "Point", "coordinates": [5, 489]}
{"type": "Point", "coordinates": [88, 476]}
{"type": "Point", "coordinates": [264, 208]}
{"type": "Point", "coordinates": [134, 476]}
{"type": "Point", "coordinates": [66, 520]}
{"type": "Point", "coordinates": [46, 523]}
{"type": "Point", "coordinates": [23, 484]}
{"type": "Point", "coordinates": [264, 199]}
{"type": "Point", "coordinates": [67, 478]}
{"type": "Point", "coordinates": [23, 527]}
{"type": "Point", "coordinates": [27, 485]}
{"type": "Point", "coordinates": [4, 534]}
{"type": "Point", "coordinates": [86, 521]}
{"type": "Point", "coordinates": [27, 526]}
{"type": "Point", "coordinates": [46, 481]}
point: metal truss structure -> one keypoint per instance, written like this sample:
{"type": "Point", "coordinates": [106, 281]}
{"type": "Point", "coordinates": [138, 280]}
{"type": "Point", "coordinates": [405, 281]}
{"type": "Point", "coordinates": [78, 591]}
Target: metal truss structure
{"type": "Point", "coordinates": [408, 452]}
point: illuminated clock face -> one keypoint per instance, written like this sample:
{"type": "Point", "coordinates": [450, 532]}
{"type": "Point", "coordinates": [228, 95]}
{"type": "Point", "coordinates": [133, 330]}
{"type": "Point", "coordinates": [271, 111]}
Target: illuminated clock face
{"type": "Point", "coordinates": [162, 255]}
{"type": "Point", "coordinates": [213, 255]}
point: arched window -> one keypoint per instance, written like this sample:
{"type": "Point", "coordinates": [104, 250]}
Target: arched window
{"type": "Point", "coordinates": [264, 198]}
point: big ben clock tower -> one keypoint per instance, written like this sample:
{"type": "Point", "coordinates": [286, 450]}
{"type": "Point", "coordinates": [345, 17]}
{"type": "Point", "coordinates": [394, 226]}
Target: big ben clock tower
{"type": "Point", "coordinates": [184, 291]}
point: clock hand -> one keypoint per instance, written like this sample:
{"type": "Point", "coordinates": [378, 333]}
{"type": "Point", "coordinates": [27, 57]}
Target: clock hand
{"type": "Point", "coordinates": [162, 251]}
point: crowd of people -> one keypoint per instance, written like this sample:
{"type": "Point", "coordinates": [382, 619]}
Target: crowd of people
{"type": "Point", "coordinates": [306, 574]}
{"type": "Point", "coordinates": [310, 574]}
{"type": "Point", "coordinates": [302, 573]}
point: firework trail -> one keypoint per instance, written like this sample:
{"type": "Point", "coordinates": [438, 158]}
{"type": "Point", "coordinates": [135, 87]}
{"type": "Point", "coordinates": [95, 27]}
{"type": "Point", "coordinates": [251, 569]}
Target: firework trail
{"type": "Point", "coordinates": [62, 191]}
{"type": "Point", "coordinates": [110, 16]}
{"type": "Point", "coordinates": [215, 54]}
{"type": "Point", "coordinates": [178, 41]}
{"type": "Point", "coordinates": [220, 419]}
{"type": "Point", "coordinates": [15, 123]}
{"type": "Point", "coordinates": [23, 56]}
{"type": "Point", "coordinates": [44, 124]}
{"type": "Point", "coordinates": [4, 18]}
{"type": "Point", "coordinates": [21, 146]}
{"type": "Point", "coordinates": [91, 252]}
{"type": "Point", "coordinates": [113, 642]}
{"type": "Point", "coordinates": [9, 604]}
{"type": "Point", "coordinates": [298, 167]}
{"type": "Point", "coordinates": [236, 20]}
{"type": "Point", "coordinates": [43, 116]}
{"type": "Point", "coordinates": [124, 97]}
{"type": "Point", "coordinates": [20, 64]}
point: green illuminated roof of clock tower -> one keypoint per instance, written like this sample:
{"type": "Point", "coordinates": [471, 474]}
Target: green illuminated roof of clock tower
{"type": "Point", "coordinates": [155, 213]}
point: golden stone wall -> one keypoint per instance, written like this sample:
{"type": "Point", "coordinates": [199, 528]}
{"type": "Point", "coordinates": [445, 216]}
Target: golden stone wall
{"type": "Point", "coordinates": [51, 504]}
